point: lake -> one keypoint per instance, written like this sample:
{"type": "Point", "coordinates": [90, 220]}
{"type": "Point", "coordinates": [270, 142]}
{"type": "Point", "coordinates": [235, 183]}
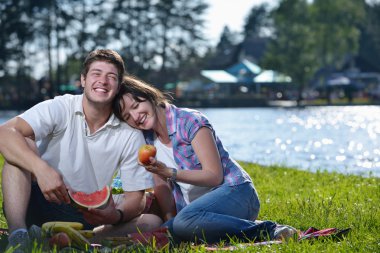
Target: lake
{"type": "Point", "coordinates": [345, 139]}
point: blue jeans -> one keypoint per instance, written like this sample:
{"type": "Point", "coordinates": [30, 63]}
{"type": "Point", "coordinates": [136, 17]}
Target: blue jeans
{"type": "Point", "coordinates": [225, 212]}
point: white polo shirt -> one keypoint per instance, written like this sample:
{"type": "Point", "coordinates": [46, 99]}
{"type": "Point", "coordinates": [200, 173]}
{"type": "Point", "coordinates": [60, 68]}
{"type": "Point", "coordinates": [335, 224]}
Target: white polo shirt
{"type": "Point", "coordinates": [87, 161]}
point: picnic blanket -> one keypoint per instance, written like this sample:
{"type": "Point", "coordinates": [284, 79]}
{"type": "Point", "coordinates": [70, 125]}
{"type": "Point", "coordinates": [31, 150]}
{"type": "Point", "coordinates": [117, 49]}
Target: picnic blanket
{"type": "Point", "coordinates": [311, 233]}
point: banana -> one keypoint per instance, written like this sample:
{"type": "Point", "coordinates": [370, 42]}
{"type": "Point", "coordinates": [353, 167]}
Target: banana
{"type": "Point", "coordinates": [75, 225]}
{"type": "Point", "coordinates": [87, 233]}
{"type": "Point", "coordinates": [76, 237]}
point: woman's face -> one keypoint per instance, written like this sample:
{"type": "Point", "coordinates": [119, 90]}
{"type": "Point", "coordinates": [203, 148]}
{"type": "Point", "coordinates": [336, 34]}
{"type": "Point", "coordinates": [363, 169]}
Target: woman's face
{"type": "Point", "coordinates": [137, 114]}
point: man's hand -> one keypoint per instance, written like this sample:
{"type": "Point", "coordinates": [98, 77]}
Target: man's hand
{"type": "Point", "coordinates": [52, 186]}
{"type": "Point", "coordinates": [132, 205]}
{"type": "Point", "coordinates": [107, 215]}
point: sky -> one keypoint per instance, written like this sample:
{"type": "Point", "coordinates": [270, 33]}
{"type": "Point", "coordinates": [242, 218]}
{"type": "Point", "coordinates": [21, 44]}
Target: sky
{"type": "Point", "coordinates": [233, 13]}
{"type": "Point", "coordinates": [228, 12]}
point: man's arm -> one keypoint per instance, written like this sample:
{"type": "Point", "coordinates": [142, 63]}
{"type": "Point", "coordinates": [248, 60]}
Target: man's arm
{"type": "Point", "coordinates": [16, 151]}
{"type": "Point", "coordinates": [14, 147]}
{"type": "Point", "coordinates": [133, 205]}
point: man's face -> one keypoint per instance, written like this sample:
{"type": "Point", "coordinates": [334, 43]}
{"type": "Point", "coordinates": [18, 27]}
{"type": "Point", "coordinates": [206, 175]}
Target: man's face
{"type": "Point", "coordinates": [101, 82]}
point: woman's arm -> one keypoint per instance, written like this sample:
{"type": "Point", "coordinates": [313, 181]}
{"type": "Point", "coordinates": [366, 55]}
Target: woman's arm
{"type": "Point", "coordinates": [205, 148]}
{"type": "Point", "coordinates": [207, 152]}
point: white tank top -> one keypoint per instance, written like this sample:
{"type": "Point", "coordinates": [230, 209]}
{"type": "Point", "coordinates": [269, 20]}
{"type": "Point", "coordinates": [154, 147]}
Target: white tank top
{"type": "Point", "coordinates": [190, 192]}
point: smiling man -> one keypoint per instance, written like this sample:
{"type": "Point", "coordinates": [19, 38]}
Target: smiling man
{"type": "Point", "coordinates": [72, 142]}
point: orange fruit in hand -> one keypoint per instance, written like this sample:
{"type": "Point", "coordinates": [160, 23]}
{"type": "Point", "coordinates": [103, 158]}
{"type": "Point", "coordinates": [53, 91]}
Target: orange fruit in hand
{"type": "Point", "coordinates": [145, 152]}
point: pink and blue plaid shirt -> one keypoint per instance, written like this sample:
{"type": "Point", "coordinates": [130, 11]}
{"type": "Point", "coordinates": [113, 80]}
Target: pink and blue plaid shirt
{"type": "Point", "coordinates": [183, 124]}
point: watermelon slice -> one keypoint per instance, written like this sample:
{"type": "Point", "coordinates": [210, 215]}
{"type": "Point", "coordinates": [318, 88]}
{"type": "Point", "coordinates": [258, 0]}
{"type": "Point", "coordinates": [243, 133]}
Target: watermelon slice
{"type": "Point", "coordinates": [98, 199]}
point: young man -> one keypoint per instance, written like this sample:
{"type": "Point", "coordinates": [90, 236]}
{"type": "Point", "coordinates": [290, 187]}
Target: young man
{"type": "Point", "coordinates": [72, 141]}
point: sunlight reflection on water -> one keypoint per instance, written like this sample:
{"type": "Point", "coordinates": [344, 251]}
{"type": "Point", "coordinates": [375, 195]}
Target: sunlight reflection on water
{"type": "Point", "coordinates": [335, 138]}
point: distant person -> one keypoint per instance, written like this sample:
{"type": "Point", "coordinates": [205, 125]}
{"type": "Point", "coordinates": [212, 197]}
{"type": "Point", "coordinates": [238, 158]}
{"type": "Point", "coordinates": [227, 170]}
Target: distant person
{"type": "Point", "coordinates": [78, 87]}
{"type": "Point", "coordinates": [212, 198]}
{"type": "Point", "coordinates": [72, 141]}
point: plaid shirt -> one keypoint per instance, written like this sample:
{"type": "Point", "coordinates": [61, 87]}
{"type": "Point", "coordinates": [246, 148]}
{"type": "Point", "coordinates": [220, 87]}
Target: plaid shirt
{"type": "Point", "coordinates": [183, 124]}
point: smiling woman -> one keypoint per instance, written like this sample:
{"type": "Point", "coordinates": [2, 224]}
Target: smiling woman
{"type": "Point", "coordinates": [194, 174]}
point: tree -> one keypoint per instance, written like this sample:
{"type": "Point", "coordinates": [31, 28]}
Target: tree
{"type": "Point", "coordinates": [291, 49]}
{"type": "Point", "coordinates": [15, 32]}
{"type": "Point", "coordinates": [315, 36]}
{"type": "Point", "coordinates": [336, 27]}
{"type": "Point", "coordinates": [257, 21]}
{"type": "Point", "coordinates": [369, 48]}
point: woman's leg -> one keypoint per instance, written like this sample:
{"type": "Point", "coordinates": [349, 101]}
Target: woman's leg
{"type": "Point", "coordinates": [220, 214]}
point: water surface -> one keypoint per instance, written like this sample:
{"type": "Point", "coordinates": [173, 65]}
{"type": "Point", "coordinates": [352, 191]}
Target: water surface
{"type": "Point", "coordinates": [334, 138]}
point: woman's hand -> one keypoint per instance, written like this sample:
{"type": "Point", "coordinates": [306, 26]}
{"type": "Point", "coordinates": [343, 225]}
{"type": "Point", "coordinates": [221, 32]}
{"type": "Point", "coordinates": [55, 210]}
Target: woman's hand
{"type": "Point", "coordinates": [158, 168]}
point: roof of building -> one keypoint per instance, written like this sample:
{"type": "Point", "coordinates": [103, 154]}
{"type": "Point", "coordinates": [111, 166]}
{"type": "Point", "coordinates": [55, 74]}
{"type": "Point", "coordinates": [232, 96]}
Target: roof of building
{"type": "Point", "coordinates": [271, 76]}
{"type": "Point", "coordinates": [219, 76]}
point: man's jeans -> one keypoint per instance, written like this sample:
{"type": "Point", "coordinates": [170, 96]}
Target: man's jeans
{"type": "Point", "coordinates": [225, 212]}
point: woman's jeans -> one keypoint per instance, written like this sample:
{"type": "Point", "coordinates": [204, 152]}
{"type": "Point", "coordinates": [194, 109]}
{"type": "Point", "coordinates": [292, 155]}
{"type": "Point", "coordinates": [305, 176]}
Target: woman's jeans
{"type": "Point", "coordinates": [225, 212]}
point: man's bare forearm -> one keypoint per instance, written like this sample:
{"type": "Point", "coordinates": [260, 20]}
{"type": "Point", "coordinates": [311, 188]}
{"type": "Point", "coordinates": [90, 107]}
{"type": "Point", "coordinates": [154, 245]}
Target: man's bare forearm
{"type": "Point", "coordinates": [16, 151]}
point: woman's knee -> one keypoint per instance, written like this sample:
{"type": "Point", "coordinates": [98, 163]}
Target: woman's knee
{"type": "Point", "coordinates": [185, 222]}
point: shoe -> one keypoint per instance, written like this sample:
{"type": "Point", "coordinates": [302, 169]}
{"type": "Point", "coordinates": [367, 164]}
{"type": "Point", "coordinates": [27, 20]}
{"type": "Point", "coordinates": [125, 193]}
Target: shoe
{"type": "Point", "coordinates": [19, 241]}
{"type": "Point", "coordinates": [35, 234]}
{"type": "Point", "coordinates": [284, 232]}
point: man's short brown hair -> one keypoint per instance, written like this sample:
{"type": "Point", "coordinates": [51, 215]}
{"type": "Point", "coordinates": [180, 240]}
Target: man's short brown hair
{"type": "Point", "coordinates": [106, 55]}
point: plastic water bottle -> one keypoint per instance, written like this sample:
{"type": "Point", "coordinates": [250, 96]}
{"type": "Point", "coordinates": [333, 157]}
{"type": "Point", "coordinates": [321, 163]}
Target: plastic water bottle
{"type": "Point", "coordinates": [117, 186]}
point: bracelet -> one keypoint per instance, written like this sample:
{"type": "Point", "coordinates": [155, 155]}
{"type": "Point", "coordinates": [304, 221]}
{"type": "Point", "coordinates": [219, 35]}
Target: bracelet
{"type": "Point", "coordinates": [173, 176]}
{"type": "Point", "coordinates": [121, 219]}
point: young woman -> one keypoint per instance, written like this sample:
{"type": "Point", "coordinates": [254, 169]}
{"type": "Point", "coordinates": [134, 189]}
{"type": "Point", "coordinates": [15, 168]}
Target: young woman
{"type": "Point", "coordinates": [212, 198]}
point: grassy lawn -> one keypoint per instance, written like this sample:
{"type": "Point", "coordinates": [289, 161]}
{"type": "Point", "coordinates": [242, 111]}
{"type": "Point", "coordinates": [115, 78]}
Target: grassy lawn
{"type": "Point", "coordinates": [304, 199]}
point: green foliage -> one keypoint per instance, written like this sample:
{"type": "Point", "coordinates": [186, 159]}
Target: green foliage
{"type": "Point", "coordinates": [336, 28]}
{"type": "Point", "coordinates": [303, 199]}
{"type": "Point", "coordinates": [257, 20]}
{"type": "Point", "coordinates": [291, 50]}
{"type": "Point", "coordinates": [150, 35]}
{"type": "Point", "coordinates": [310, 36]}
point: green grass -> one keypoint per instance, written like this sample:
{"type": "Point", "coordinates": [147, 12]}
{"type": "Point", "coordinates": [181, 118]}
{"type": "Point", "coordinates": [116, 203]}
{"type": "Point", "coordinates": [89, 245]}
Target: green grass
{"type": "Point", "coordinates": [322, 200]}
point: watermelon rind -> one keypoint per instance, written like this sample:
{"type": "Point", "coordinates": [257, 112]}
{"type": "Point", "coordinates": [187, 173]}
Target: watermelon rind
{"type": "Point", "coordinates": [88, 200]}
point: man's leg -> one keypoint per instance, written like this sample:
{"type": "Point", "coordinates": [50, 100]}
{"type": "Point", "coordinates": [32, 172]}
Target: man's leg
{"type": "Point", "coordinates": [16, 185]}
{"type": "Point", "coordinates": [142, 223]}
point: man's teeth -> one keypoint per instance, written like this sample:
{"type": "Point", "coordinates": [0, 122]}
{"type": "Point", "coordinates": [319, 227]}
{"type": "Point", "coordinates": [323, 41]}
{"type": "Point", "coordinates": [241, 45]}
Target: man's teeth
{"type": "Point", "coordinates": [101, 90]}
